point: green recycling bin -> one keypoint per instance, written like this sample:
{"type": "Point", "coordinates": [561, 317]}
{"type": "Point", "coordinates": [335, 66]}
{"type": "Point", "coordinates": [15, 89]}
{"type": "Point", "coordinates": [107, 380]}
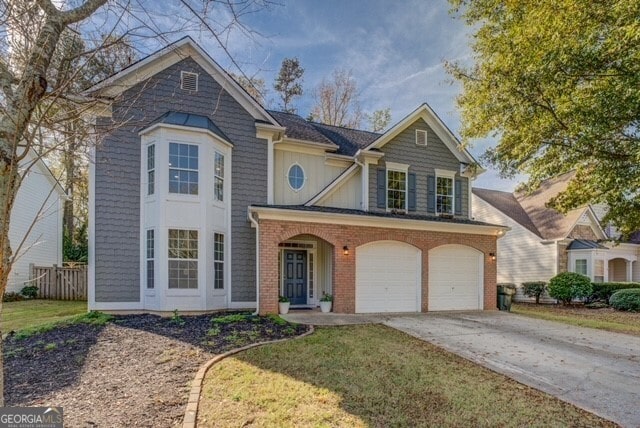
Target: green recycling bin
{"type": "Point", "coordinates": [505, 294]}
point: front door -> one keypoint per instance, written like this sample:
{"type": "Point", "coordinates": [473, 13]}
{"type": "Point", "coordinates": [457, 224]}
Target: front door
{"type": "Point", "coordinates": [295, 276]}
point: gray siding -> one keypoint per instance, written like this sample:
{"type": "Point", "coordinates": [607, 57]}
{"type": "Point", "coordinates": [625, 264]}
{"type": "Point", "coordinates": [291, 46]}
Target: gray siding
{"type": "Point", "coordinates": [422, 161]}
{"type": "Point", "coordinates": [117, 179]}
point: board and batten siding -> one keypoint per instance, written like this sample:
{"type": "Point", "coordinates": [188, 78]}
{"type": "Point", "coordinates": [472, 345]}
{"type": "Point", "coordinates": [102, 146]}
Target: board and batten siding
{"type": "Point", "coordinates": [347, 195]}
{"type": "Point", "coordinates": [117, 179]}
{"type": "Point", "coordinates": [521, 256]}
{"type": "Point", "coordinates": [316, 172]}
{"type": "Point", "coordinates": [422, 161]}
{"type": "Point", "coordinates": [43, 245]}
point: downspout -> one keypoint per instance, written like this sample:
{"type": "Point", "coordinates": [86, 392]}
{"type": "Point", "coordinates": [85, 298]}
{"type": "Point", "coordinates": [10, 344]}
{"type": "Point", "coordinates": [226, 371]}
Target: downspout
{"type": "Point", "coordinates": [257, 226]}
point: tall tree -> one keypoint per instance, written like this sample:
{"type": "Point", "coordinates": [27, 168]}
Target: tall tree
{"type": "Point", "coordinates": [34, 88]}
{"type": "Point", "coordinates": [289, 83]}
{"type": "Point", "coordinates": [379, 119]}
{"type": "Point", "coordinates": [557, 82]}
{"type": "Point", "coordinates": [337, 100]}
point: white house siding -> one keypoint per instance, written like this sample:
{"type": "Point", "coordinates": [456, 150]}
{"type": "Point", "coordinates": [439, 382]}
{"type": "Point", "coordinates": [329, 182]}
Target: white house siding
{"type": "Point", "coordinates": [521, 257]}
{"type": "Point", "coordinates": [318, 174]}
{"type": "Point", "coordinates": [43, 246]}
{"type": "Point", "coordinates": [347, 195]}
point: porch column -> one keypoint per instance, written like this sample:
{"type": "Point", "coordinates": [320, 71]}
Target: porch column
{"type": "Point", "coordinates": [344, 279]}
{"type": "Point", "coordinates": [629, 270]}
{"type": "Point", "coordinates": [268, 288]}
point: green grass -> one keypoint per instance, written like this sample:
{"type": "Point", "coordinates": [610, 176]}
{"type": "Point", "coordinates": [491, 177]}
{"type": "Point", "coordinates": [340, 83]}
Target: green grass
{"type": "Point", "coordinates": [371, 375]}
{"type": "Point", "coordinates": [603, 319]}
{"type": "Point", "coordinates": [31, 313]}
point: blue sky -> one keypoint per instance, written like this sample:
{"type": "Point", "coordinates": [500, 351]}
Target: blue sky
{"type": "Point", "coordinates": [395, 49]}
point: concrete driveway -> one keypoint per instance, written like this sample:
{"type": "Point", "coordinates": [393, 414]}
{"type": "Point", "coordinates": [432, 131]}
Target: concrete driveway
{"type": "Point", "coordinates": [593, 369]}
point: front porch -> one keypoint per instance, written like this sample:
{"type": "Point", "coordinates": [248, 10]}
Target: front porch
{"type": "Point", "coordinates": [604, 262]}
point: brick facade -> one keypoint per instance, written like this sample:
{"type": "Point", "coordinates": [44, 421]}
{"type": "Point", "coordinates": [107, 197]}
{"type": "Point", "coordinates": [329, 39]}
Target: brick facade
{"type": "Point", "coordinates": [273, 232]}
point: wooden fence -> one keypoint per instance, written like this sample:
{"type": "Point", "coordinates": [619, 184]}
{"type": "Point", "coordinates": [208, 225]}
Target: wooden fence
{"type": "Point", "coordinates": [60, 283]}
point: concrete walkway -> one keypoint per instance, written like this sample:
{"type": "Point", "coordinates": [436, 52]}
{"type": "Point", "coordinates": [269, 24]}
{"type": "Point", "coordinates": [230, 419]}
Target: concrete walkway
{"type": "Point", "coordinates": [593, 369]}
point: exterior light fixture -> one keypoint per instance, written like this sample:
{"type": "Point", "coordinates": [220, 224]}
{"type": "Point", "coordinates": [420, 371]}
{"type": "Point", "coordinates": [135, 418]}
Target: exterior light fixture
{"type": "Point", "coordinates": [493, 256]}
{"type": "Point", "coordinates": [345, 250]}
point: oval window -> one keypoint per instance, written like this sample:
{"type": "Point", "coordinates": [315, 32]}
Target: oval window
{"type": "Point", "coordinates": [296, 177]}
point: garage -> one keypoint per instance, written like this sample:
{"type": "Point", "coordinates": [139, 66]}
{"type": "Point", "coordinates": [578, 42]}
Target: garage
{"type": "Point", "coordinates": [455, 278]}
{"type": "Point", "coordinates": [388, 277]}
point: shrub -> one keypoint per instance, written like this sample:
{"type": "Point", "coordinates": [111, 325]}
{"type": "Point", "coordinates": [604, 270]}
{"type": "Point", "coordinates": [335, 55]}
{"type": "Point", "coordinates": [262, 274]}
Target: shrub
{"type": "Point", "coordinates": [534, 289]}
{"type": "Point", "coordinates": [29, 292]}
{"type": "Point", "coordinates": [567, 286]}
{"type": "Point", "coordinates": [626, 299]}
{"type": "Point", "coordinates": [604, 290]}
{"type": "Point", "coordinates": [12, 297]}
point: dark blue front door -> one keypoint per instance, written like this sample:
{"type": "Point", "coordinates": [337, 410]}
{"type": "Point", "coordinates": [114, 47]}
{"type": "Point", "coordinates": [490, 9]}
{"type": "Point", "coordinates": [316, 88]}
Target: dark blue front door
{"type": "Point", "coordinates": [295, 276]}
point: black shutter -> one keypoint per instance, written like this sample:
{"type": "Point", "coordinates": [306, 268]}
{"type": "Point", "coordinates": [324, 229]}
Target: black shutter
{"type": "Point", "coordinates": [412, 192]}
{"type": "Point", "coordinates": [382, 188]}
{"type": "Point", "coordinates": [431, 193]}
{"type": "Point", "coordinates": [458, 197]}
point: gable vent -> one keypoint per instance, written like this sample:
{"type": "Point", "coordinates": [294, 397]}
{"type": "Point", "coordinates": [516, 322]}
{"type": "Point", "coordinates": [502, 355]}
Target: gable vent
{"type": "Point", "coordinates": [188, 81]}
{"type": "Point", "coordinates": [421, 137]}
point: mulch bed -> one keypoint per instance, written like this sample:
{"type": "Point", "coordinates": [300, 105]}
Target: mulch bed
{"type": "Point", "coordinates": [133, 371]}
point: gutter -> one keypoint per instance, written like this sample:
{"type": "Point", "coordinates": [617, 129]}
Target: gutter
{"type": "Point", "coordinates": [257, 226]}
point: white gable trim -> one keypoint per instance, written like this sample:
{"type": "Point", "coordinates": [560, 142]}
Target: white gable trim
{"type": "Point", "coordinates": [594, 220]}
{"type": "Point", "coordinates": [425, 113]}
{"type": "Point", "coordinates": [170, 55]}
{"type": "Point", "coordinates": [333, 186]}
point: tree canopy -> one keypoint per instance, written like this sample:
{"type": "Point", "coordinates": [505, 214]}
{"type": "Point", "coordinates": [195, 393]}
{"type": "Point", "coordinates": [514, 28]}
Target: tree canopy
{"type": "Point", "coordinates": [288, 83]}
{"type": "Point", "coordinates": [558, 83]}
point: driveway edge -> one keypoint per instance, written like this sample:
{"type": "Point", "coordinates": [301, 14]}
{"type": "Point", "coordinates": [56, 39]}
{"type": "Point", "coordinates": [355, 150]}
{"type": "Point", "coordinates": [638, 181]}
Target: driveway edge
{"type": "Point", "coordinates": [191, 412]}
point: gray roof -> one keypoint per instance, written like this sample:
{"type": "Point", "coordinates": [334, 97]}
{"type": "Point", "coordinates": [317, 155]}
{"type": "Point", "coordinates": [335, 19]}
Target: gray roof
{"type": "Point", "coordinates": [406, 216]}
{"type": "Point", "coordinates": [191, 120]}
{"type": "Point", "coordinates": [348, 140]}
{"type": "Point", "coordinates": [585, 244]}
{"type": "Point", "coordinates": [508, 204]}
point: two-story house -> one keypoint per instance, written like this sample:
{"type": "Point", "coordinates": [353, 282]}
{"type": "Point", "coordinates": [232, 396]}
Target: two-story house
{"type": "Point", "coordinates": [201, 199]}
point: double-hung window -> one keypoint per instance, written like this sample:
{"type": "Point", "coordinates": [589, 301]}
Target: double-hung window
{"type": "Point", "coordinates": [218, 177]}
{"type": "Point", "coordinates": [581, 266]}
{"type": "Point", "coordinates": [444, 195]}
{"type": "Point", "coordinates": [183, 259]}
{"type": "Point", "coordinates": [151, 169]}
{"type": "Point", "coordinates": [150, 258]}
{"type": "Point", "coordinates": [183, 168]}
{"type": "Point", "coordinates": [396, 190]}
{"type": "Point", "coordinates": [218, 261]}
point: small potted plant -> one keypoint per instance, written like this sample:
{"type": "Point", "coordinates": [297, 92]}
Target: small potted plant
{"type": "Point", "coordinates": [325, 302]}
{"type": "Point", "coordinates": [283, 303]}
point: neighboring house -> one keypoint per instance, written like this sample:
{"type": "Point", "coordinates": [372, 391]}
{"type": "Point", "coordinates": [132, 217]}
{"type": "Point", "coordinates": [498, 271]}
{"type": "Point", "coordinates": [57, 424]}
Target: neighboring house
{"type": "Point", "coordinates": [543, 242]}
{"type": "Point", "coordinates": [201, 199]}
{"type": "Point", "coordinates": [37, 215]}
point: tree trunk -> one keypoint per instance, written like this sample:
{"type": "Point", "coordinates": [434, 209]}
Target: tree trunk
{"type": "Point", "coordinates": [71, 173]}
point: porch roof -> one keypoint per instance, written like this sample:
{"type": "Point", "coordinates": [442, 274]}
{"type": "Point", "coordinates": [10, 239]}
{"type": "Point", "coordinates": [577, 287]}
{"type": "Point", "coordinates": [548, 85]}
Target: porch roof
{"type": "Point", "coordinates": [381, 219]}
{"type": "Point", "coordinates": [585, 244]}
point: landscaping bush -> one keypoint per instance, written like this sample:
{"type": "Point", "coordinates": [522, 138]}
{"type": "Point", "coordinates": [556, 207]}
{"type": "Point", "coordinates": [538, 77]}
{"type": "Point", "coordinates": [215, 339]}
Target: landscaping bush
{"type": "Point", "coordinates": [29, 292]}
{"type": "Point", "coordinates": [534, 289]}
{"type": "Point", "coordinates": [567, 286]}
{"type": "Point", "coordinates": [604, 290]}
{"type": "Point", "coordinates": [626, 299]}
{"type": "Point", "coordinates": [12, 297]}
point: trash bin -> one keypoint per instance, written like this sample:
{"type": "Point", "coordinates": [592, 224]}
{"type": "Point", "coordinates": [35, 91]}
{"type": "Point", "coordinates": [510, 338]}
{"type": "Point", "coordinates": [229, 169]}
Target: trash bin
{"type": "Point", "coordinates": [505, 293]}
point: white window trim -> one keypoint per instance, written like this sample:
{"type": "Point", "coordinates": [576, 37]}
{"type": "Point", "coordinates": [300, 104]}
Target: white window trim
{"type": "Point", "coordinates": [190, 73]}
{"type": "Point", "coordinates": [445, 173]}
{"type": "Point", "coordinates": [155, 178]}
{"type": "Point", "coordinates": [392, 166]}
{"type": "Point", "coordinates": [150, 259]}
{"type": "Point", "coordinates": [426, 137]}
{"type": "Point", "coordinates": [586, 266]}
{"type": "Point", "coordinates": [197, 260]}
{"type": "Point", "coordinates": [222, 262]}
{"type": "Point", "coordinates": [216, 176]}
{"type": "Point", "coordinates": [304, 177]}
{"type": "Point", "coordinates": [169, 168]}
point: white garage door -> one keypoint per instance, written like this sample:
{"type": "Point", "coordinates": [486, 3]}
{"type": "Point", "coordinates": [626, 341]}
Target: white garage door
{"type": "Point", "coordinates": [455, 278]}
{"type": "Point", "coordinates": [388, 277]}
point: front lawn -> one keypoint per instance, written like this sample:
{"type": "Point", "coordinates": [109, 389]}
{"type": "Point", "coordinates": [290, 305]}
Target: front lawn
{"type": "Point", "coordinates": [31, 313]}
{"type": "Point", "coordinates": [371, 376]}
{"type": "Point", "coordinates": [605, 319]}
